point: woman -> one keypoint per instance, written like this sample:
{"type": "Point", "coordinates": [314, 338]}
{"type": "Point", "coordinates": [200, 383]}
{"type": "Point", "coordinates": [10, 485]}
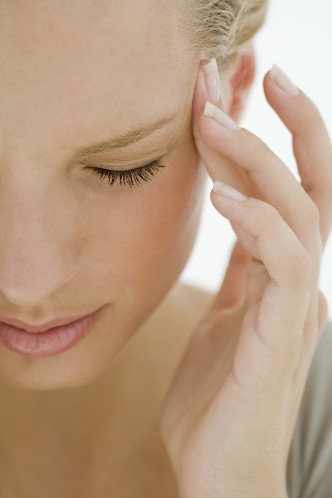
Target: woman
{"type": "Point", "coordinates": [167, 390]}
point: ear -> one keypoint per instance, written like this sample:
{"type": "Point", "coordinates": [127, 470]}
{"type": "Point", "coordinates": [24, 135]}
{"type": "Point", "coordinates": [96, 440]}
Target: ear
{"type": "Point", "coordinates": [241, 80]}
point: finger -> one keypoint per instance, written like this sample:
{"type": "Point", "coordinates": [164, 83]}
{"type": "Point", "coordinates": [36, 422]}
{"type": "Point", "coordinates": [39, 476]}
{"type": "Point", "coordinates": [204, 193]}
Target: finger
{"type": "Point", "coordinates": [271, 178]}
{"type": "Point", "coordinates": [311, 145]}
{"type": "Point", "coordinates": [284, 304]}
{"type": "Point", "coordinates": [233, 287]}
{"type": "Point", "coordinates": [218, 166]}
{"type": "Point", "coordinates": [275, 184]}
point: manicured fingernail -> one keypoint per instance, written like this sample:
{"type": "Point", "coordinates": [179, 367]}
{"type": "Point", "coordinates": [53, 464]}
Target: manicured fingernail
{"type": "Point", "coordinates": [211, 78]}
{"type": "Point", "coordinates": [228, 191]}
{"type": "Point", "coordinates": [211, 111]}
{"type": "Point", "coordinates": [282, 80]}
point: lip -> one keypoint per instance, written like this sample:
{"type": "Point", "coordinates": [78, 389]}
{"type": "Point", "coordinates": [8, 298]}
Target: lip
{"type": "Point", "coordinates": [50, 342]}
{"type": "Point", "coordinates": [42, 327]}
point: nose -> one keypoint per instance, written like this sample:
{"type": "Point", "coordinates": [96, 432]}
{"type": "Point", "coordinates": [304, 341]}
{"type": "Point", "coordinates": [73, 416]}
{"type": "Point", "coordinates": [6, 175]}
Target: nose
{"type": "Point", "coordinates": [29, 296]}
{"type": "Point", "coordinates": [37, 251]}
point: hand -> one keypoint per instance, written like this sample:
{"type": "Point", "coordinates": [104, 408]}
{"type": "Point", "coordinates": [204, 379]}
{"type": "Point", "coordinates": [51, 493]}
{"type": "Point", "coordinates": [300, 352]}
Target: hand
{"type": "Point", "coordinates": [230, 412]}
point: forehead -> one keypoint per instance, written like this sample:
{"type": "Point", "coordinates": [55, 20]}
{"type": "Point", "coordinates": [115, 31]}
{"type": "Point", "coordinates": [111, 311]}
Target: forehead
{"type": "Point", "coordinates": [102, 62]}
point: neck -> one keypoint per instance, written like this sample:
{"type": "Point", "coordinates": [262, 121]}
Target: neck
{"type": "Point", "coordinates": [109, 420]}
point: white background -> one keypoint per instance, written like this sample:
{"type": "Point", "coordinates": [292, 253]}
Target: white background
{"type": "Point", "coordinates": [297, 36]}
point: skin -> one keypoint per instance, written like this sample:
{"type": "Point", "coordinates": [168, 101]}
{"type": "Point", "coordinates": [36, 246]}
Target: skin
{"type": "Point", "coordinates": [230, 413]}
{"type": "Point", "coordinates": [47, 114]}
{"type": "Point", "coordinates": [69, 79]}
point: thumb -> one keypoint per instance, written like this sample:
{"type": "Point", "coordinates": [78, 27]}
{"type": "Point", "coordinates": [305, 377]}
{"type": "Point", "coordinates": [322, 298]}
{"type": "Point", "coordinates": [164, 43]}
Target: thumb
{"type": "Point", "coordinates": [233, 288]}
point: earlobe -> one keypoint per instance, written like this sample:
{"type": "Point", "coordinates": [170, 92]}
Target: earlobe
{"type": "Point", "coordinates": [241, 81]}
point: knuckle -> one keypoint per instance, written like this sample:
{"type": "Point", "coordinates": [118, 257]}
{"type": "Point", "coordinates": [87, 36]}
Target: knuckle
{"type": "Point", "coordinates": [270, 216]}
{"type": "Point", "coordinates": [300, 262]}
{"type": "Point", "coordinates": [315, 114]}
{"type": "Point", "coordinates": [260, 149]}
{"type": "Point", "coordinates": [257, 146]}
{"type": "Point", "coordinates": [302, 266]}
{"type": "Point", "coordinates": [312, 115]}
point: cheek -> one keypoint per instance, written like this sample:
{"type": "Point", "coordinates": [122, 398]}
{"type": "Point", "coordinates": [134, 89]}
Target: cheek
{"type": "Point", "coordinates": [164, 221]}
{"type": "Point", "coordinates": [145, 234]}
{"type": "Point", "coordinates": [170, 210]}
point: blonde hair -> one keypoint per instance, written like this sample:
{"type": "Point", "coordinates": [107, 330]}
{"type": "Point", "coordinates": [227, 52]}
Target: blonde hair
{"type": "Point", "coordinates": [218, 28]}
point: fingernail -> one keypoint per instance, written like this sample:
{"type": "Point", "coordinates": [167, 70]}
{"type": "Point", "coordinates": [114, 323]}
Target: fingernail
{"type": "Point", "coordinates": [211, 111]}
{"type": "Point", "coordinates": [282, 80]}
{"type": "Point", "coordinates": [211, 78]}
{"type": "Point", "coordinates": [228, 191]}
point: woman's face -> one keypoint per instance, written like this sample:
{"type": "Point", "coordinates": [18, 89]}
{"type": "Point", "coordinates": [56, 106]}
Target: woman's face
{"type": "Point", "coordinates": [75, 74]}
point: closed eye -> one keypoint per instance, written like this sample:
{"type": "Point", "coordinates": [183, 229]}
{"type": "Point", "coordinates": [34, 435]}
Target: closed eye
{"type": "Point", "coordinates": [130, 177]}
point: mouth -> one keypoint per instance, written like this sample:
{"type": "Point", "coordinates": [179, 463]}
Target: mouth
{"type": "Point", "coordinates": [49, 342]}
{"type": "Point", "coordinates": [42, 327]}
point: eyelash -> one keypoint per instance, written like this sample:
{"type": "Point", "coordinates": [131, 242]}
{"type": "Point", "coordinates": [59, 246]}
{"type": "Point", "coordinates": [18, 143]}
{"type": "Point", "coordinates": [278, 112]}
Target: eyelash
{"type": "Point", "coordinates": [130, 176]}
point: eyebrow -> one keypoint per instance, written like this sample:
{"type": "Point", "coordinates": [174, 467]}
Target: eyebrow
{"type": "Point", "coordinates": [131, 136]}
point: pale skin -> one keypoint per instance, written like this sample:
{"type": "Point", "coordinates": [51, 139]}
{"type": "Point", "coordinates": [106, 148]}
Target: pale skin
{"type": "Point", "coordinates": [230, 413]}
{"type": "Point", "coordinates": [70, 243]}
{"type": "Point", "coordinates": [73, 413]}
